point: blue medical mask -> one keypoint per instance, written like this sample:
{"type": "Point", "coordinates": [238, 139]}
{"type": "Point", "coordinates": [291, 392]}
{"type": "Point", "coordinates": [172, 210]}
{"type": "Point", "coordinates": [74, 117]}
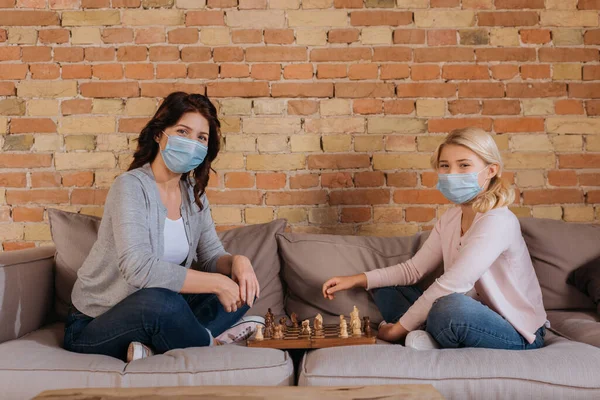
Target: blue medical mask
{"type": "Point", "coordinates": [459, 188]}
{"type": "Point", "coordinates": [181, 155]}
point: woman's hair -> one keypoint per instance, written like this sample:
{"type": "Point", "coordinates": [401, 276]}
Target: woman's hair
{"type": "Point", "coordinates": [498, 193]}
{"type": "Point", "coordinates": [170, 111]}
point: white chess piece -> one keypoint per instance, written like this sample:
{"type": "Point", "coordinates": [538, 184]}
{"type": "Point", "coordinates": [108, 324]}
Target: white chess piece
{"type": "Point", "coordinates": [259, 333]}
{"type": "Point", "coordinates": [344, 329]}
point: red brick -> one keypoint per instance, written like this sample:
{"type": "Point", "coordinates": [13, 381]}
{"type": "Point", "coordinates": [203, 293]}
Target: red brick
{"type": "Point", "coordinates": [386, 18]}
{"type": "Point", "coordinates": [465, 72]}
{"type": "Point", "coordinates": [578, 161]}
{"type": "Point", "coordinates": [348, 3]}
{"type": "Point", "coordinates": [222, 3]}
{"type": "Point", "coordinates": [501, 107]}
{"type": "Point", "coordinates": [340, 54]}
{"type": "Point", "coordinates": [337, 180]}
{"type": "Point", "coordinates": [592, 107]}
{"type": "Point", "coordinates": [395, 71]}
{"type": "Point", "coordinates": [422, 196]}
{"type": "Point", "coordinates": [171, 71]}
{"type": "Point", "coordinates": [399, 106]}
{"type": "Point", "coordinates": [68, 54]}
{"type": "Point", "coordinates": [150, 35]}
{"type": "Point", "coordinates": [449, 124]}
{"type": "Point", "coordinates": [203, 71]}
{"type": "Point", "coordinates": [131, 125]}
{"type": "Point", "coordinates": [419, 90]}
{"type": "Point", "coordinates": [363, 71]}
{"type": "Point", "coordinates": [369, 179]}
{"type": "Point", "coordinates": [95, 3]}
{"type": "Point", "coordinates": [338, 161]}
{"type": "Point", "coordinates": [464, 107]}
{"type": "Point", "coordinates": [302, 90]}
{"type": "Point", "coordinates": [14, 246]}
{"type": "Point", "coordinates": [298, 71]}
{"type": "Point", "coordinates": [535, 71]}
{"type": "Point", "coordinates": [234, 71]}
{"type": "Point", "coordinates": [419, 214]}
{"type": "Point", "coordinates": [13, 179]}
{"type": "Point", "coordinates": [99, 53]}
{"type": "Point", "coordinates": [117, 35]}
{"type": "Point", "coordinates": [108, 71]}
{"type": "Point", "coordinates": [45, 179]}
{"type": "Point", "coordinates": [516, 18]}
{"type": "Point", "coordinates": [591, 72]}
{"type": "Point", "coordinates": [204, 18]}
{"type": "Point", "coordinates": [519, 4]}
{"type": "Point", "coordinates": [36, 54]}
{"type": "Point", "coordinates": [234, 197]}
{"type": "Point", "coordinates": [504, 72]}
{"type": "Point", "coordinates": [567, 55]}
{"type": "Point", "coordinates": [533, 90]}
{"type": "Point", "coordinates": [44, 71]}
{"type": "Point", "coordinates": [76, 71]}
{"type": "Point", "coordinates": [589, 179]}
{"type": "Point", "coordinates": [7, 89]}
{"type": "Point", "coordinates": [268, 72]}
{"type": "Point", "coordinates": [54, 36]}
{"type": "Point", "coordinates": [239, 180]}
{"type": "Point", "coordinates": [252, 4]}
{"type": "Point", "coordinates": [76, 106]}
{"type": "Point", "coordinates": [238, 89]}
{"type": "Point", "coordinates": [32, 125]}
{"type": "Point", "coordinates": [429, 179]}
{"type": "Point", "coordinates": [10, 53]}
{"type": "Point", "coordinates": [183, 35]}
{"type": "Point", "coordinates": [409, 36]}
{"type": "Point", "coordinates": [79, 179]}
{"type": "Point", "coordinates": [276, 54]}
{"type": "Point", "coordinates": [195, 54]}
{"type": "Point", "coordinates": [304, 181]}
{"type": "Point", "coordinates": [444, 3]}
{"type": "Point", "coordinates": [29, 18]}
{"type": "Point", "coordinates": [40, 196]}
{"type": "Point", "coordinates": [343, 36]}
{"type": "Point", "coordinates": [330, 71]}
{"type": "Point", "coordinates": [441, 37]}
{"type": "Point", "coordinates": [566, 107]}
{"type": "Point", "coordinates": [28, 214]}
{"type": "Point", "coordinates": [552, 196]}
{"type": "Point", "coordinates": [355, 214]}
{"type": "Point", "coordinates": [589, 5]}
{"type": "Point", "coordinates": [126, 3]}
{"type": "Point", "coordinates": [247, 36]}
{"type": "Point", "coordinates": [583, 90]}
{"type": "Point", "coordinates": [302, 107]}
{"type": "Point", "coordinates": [113, 89]}
{"type": "Point", "coordinates": [504, 125]}
{"type": "Point", "coordinates": [392, 54]}
{"type": "Point", "coordinates": [270, 181]}
{"type": "Point", "coordinates": [164, 53]}
{"type": "Point", "coordinates": [535, 36]}
{"type": "Point", "coordinates": [424, 72]}
{"type": "Point", "coordinates": [303, 197]}
{"type": "Point", "coordinates": [593, 196]}
{"type": "Point", "coordinates": [562, 178]}
{"type": "Point", "coordinates": [497, 54]}
{"type": "Point", "coordinates": [360, 197]}
{"type": "Point", "coordinates": [139, 71]}
{"type": "Point", "coordinates": [13, 71]}
{"type": "Point", "coordinates": [89, 196]}
{"type": "Point", "coordinates": [279, 36]}
{"type": "Point", "coordinates": [592, 36]}
{"type": "Point", "coordinates": [3, 35]}
{"type": "Point", "coordinates": [401, 179]}
{"type": "Point", "coordinates": [367, 106]}
{"type": "Point", "coordinates": [228, 54]}
{"type": "Point", "coordinates": [444, 54]}
{"type": "Point", "coordinates": [132, 53]}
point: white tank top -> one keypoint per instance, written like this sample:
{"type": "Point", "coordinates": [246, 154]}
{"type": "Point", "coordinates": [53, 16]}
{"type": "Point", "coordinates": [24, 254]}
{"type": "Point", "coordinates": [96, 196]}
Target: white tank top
{"type": "Point", "coordinates": [176, 242]}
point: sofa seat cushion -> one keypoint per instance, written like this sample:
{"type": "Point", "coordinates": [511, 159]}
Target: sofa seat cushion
{"type": "Point", "coordinates": [562, 369]}
{"type": "Point", "coordinates": [582, 326]}
{"type": "Point", "coordinates": [37, 362]}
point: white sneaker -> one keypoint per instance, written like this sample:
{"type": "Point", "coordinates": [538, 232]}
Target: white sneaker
{"type": "Point", "coordinates": [241, 330]}
{"type": "Point", "coordinates": [421, 340]}
{"type": "Point", "coordinates": [137, 351]}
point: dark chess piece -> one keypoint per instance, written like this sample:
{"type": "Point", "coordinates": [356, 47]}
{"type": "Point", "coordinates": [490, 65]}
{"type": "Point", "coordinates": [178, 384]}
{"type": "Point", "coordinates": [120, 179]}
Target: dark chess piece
{"type": "Point", "coordinates": [367, 327]}
{"type": "Point", "coordinates": [294, 318]}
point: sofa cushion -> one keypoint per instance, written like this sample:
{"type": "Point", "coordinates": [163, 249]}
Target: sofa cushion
{"type": "Point", "coordinates": [37, 362]}
{"type": "Point", "coordinates": [308, 260]}
{"type": "Point", "coordinates": [582, 326]}
{"type": "Point", "coordinates": [562, 369]}
{"type": "Point", "coordinates": [75, 234]}
{"type": "Point", "coordinates": [587, 279]}
{"type": "Point", "coordinates": [556, 249]}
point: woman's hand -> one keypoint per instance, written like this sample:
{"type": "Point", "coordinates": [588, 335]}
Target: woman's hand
{"type": "Point", "coordinates": [228, 293]}
{"type": "Point", "coordinates": [243, 274]}
{"type": "Point", "coordinates": [339, 283]}
{"type": "Point", "coordinates": [392, 333]}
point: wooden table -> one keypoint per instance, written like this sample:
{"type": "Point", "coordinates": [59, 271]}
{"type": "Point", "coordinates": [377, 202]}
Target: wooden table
{"type": "Point", "coordinates": [404, 392]}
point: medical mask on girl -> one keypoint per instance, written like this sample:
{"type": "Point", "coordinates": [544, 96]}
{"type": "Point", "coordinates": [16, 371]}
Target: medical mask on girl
{"type": "Point", "coordinates": [460, 188]}
{"type": "Point", "coordinates": [181, 155]}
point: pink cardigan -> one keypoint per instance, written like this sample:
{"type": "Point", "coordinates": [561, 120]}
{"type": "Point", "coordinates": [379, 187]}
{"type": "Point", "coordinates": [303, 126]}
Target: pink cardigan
{"type": "Point", "coordinates": [490, 258]}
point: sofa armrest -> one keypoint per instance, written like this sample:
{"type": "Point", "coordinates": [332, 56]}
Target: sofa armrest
{"type": "Point", "coordinates": [26, 290]}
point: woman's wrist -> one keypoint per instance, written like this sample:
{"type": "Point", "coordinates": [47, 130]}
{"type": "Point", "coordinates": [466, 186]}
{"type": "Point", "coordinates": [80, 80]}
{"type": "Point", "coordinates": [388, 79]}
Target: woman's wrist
{"type": "Point", "coordinates": [360, 281]}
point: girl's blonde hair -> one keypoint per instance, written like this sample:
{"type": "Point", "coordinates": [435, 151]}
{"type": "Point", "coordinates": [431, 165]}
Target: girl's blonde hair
{"type": "Point", "coordinates": [498, 193]}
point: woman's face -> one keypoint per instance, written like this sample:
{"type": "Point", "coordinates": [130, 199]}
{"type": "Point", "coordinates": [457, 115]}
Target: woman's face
{"type": "Point", "coordinates": [455, 159]}
{"type": "Point", "coordinates": [191, 125]}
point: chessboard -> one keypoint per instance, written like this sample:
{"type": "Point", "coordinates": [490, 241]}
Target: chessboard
{"type": "Point", "coordinates": [292, 339]}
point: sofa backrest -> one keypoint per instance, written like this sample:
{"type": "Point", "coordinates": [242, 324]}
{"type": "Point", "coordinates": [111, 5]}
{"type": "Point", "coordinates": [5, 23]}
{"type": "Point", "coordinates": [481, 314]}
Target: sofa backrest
{"type": "Point", "coordinates": [557, 248]}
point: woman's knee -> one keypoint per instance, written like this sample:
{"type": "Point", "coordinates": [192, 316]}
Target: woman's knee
{"type": "Point", "coordinates": [448, 308]}
{"type": "Point", "coordinates": [160, 302]}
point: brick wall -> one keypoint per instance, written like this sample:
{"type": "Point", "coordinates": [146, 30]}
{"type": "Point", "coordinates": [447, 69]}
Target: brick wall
{"type": "Point", "coordinates": [330, 108]}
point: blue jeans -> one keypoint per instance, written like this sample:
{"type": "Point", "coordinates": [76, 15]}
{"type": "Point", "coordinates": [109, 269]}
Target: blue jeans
{"type": "Point", "coordinates": [159, 318]}
{"type": "Point", "coordinates": [456, 320]}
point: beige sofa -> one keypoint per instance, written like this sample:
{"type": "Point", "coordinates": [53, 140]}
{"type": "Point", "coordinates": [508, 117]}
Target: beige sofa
{"type": "Point", "coordinates": [34, 284]}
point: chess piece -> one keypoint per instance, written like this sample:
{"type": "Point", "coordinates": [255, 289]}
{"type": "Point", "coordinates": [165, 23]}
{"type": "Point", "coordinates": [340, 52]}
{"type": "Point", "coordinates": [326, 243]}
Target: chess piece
{"type": "Point", "coordinates": [269, 318]}
{"type": "Point", "coordinates": [343, 329]}
{"type": "Point", "coordinates": [355, 320]}
{"type": "Point", "coordinates": [278, 332]}
{"type": "Point", "coordinates": [305, 328]}
{"type": "Point", "coordinates": [355, 325]}
{"type": "Point", "coordinates": [283, 323]}
{"type": "Point", "coordinates": [367, 327]}
{"type": "Point", "coordinates": [342, 318]}
{"type": "Point", "coordinates": [318, 322]}
{"type": "Point", "coordinates": [294, 318]}
{"type": "Point", "coordinates": [259, 333]}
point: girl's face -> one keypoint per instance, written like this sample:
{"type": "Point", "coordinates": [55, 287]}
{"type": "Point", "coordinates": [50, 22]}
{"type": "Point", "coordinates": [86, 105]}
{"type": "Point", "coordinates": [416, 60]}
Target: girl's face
{"type": "Point", "coordinates": [456, 159]}
{"type": "Point", "coordinates": [191, 125]}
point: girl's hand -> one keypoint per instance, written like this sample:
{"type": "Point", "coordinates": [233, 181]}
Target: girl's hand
{"type": "Point", "coordinates": [339, 283]}
{"type": "Point", "coordinates": [243, 274]}
{"type": "Point", "coordinates": [228, 293]}
{"type": "Point", "coordinates": [392, 333]}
